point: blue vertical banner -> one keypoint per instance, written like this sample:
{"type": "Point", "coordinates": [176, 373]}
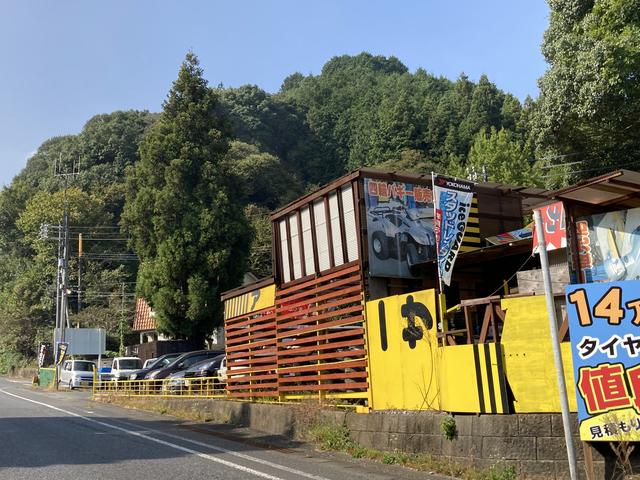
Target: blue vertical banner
{"type": "Point", "coordinates": [604, 326]}
{"type": "Point", "coordinates": [452, 202]}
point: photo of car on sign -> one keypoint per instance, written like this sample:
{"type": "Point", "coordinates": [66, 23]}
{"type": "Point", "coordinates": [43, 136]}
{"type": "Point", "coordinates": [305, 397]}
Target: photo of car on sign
{"type": "Point", "coordinates": [400, 226]}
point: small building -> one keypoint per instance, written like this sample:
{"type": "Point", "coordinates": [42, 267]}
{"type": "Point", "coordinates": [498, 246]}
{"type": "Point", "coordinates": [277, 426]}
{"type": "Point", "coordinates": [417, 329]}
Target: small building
{"type": "Point", "coordinates": [365, 237]}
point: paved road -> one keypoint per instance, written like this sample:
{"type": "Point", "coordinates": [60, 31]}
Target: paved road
{"type": "Point", "coordinates": [64, 435]}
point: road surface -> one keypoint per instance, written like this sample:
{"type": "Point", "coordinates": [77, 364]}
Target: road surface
{"type": "Point", "coordinates": [64, 435]}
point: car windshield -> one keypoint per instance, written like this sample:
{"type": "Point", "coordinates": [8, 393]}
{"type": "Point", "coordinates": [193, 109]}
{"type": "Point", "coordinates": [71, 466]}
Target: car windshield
{"type": "Point", "coordinates": [83, 366]}
{"type": "Point", "coordinates": [130, 363]}
{"type": "Point", "coordinates": [163, 362]}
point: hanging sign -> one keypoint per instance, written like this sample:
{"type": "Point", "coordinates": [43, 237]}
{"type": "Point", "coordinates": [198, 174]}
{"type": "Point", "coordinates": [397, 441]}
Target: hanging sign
{"type": "Point", "coordinates": [555, 227]}
{"type": "Point", "coordinates": [452, 202]}
{"type": "Point", "coordinates": [61, 351]}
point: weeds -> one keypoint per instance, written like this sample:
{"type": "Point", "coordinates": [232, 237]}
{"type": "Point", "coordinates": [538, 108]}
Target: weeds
{"type": "Point", "coordinates": [448, 427]}
{"type": "Point", "coordinates": [499, 472]}
{"type": "Point", "coordinates": [337, 438]}
{"type": "Point", "coordinates": [331, 437]}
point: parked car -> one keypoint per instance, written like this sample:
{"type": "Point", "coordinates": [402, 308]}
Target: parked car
{"type": "Point", "coordinates": [183, 362]}
{"type": "Point", "coordinates": [104, 374]}
{"type": "Point", "coordinates": [159, 362]}
{"type": "Point", "coordinates": [179, 381]}
{"type": "Point", "coordinates": [174, 383]}
{"type": "Point", "coordinates": [402, 234]}
{"type": "Point", "coordinates": [77, 373]}
{"type": "Point", "coordinates": [148, 362]}
{"type": "Point", "coordinates": [123, 366]}
{"type": "Point", "coordinates": [222, 370]}
{"type": "Point", "coordinates": [206, 368]}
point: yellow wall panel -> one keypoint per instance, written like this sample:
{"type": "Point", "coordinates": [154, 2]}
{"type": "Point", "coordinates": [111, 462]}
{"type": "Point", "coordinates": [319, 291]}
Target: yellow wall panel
{"type": "Point", "coordinates": [472, 379]}
{"type": "Point", "coordinates": [529, 365]}
{"type": "Point", "coordinates": [401, 338]}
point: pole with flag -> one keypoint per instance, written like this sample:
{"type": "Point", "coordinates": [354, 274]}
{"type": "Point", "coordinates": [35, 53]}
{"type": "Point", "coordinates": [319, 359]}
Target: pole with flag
{"type": "Point", "coordinates": [452, 199]}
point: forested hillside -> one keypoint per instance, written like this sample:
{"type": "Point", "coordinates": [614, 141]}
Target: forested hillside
{"type": "Point", "coordinates": [203, 174]}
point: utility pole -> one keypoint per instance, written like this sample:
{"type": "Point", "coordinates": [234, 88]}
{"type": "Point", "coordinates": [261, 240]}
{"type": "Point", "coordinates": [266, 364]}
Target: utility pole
{"type": "Point", "coordinates": [79, 272]}
{"type": "Point", "coordinates": [62, 302]}
{"type": "Point", "coordinates": [122, 323]}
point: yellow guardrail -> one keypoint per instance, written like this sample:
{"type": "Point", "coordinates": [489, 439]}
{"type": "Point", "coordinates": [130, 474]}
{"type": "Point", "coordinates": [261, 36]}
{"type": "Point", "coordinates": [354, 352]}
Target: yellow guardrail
{"type": "Point", "coordinates": [210, 387]}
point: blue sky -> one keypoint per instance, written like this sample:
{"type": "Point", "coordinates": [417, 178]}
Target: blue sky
{"type": "Point", "coordinates": [64, 61]}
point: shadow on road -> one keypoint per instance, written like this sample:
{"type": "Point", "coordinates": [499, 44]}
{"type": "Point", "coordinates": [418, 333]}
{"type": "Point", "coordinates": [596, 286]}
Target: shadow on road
{"type": "Point", "coordinates": [33, 442]}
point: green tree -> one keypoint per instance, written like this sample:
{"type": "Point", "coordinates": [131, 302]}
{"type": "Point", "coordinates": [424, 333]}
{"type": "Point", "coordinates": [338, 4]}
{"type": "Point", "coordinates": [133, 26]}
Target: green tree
{"type": "Point", "coordinates": [265, 180]}
{"type": "Point", "coordinates": [181, 210]}
{"type": "Point", "coordinates": [259, 261]}
{"type": "Point", "coordinates": [499, 155]}
{"type": "Point", "coordinates": [484, 110]}
{"type": "Point", "coordinates": [589, 104]}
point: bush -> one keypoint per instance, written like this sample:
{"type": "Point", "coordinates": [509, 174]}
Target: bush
{"type": "Point", "coordinates": [11, 361]}
{"type": "Point", "coordinates": [448, 427]}
{"type": "Point", "coordinates": [331, 437]}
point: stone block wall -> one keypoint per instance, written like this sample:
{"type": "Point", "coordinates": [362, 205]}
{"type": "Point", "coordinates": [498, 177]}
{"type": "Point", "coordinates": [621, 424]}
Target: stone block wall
{"type": "Point", "coordinates": [532, 443]}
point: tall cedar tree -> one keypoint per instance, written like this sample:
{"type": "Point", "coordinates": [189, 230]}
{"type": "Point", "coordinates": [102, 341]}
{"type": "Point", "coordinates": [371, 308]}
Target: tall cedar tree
{"type": "Point", "coordinates": [186, 225]}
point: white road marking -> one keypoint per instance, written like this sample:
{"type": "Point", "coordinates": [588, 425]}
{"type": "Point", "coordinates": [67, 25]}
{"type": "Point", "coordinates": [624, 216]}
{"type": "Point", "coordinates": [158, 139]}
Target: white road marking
{"type": "Point", "coordinates": [231, 452]}
{"type": "Point", "coordinates": [252, 471]}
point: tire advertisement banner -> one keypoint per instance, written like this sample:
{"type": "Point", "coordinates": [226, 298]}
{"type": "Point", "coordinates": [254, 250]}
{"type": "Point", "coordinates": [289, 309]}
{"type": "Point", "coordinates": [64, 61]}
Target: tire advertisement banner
{"type": "Point", "coordinates": [452, 200]}
{"type": "Point", "coordinates": [609, 246]}
{"type": "Point", "coordinates": [400, 227]}
{"type": "Point", "coordinates": [605, 347]}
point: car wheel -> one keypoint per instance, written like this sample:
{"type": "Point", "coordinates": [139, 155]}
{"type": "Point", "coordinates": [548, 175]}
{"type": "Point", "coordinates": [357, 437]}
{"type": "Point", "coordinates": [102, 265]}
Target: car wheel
{"type": "Point", "coordinates": [412, 254]}
{"type": "Point", "coordinates": [380, 245]}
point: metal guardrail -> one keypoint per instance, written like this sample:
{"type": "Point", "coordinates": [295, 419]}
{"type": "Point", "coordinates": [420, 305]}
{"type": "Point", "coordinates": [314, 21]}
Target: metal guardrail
{"type": "Point", "coordinates": [210, 387]}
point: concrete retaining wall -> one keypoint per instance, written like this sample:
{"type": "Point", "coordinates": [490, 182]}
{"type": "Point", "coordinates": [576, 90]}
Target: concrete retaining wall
{"type": "Point", "coordinates": [532, 443]}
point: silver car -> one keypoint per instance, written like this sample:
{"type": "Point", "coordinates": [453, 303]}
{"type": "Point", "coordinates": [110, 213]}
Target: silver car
{"type": "Point", "coordinates": [77, 373]}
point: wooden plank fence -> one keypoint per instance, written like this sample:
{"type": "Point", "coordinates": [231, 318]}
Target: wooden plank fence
{"type": "Point", "coordinates": [313, 342]}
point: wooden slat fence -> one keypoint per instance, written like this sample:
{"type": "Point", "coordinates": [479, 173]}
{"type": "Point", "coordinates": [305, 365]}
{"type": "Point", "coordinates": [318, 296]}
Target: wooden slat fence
{"type": "Point", "coordinates": [312, 343]}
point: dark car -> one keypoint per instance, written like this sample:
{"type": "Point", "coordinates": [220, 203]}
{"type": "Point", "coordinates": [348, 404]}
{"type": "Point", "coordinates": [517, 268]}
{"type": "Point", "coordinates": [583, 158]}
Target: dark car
{"type": "Point", "coordinates": [195, 378]}
{"type": "Point", "coordinates": [160, 362]}
{"type": "Point", "coordinates": [208, 368]}
{"type": "Point", "coordinates": [183, 362]}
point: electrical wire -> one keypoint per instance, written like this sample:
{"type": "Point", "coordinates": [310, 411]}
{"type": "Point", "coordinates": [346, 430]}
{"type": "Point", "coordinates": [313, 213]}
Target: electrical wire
{"type": "Point", "coordinates": [511, 277]}
{"type": "Point", "coordinates": [599, 169]}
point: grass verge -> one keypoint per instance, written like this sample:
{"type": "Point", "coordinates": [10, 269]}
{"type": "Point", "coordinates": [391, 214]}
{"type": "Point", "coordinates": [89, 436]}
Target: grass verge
{"type": "Point", "coordinates": [337, 438]}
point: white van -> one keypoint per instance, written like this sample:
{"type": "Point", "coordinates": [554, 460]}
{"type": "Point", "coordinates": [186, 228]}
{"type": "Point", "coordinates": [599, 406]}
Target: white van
{"type": "Point", "coordinates": [123, 366]}
{"type": "Point", "coordinates": [76, 373]}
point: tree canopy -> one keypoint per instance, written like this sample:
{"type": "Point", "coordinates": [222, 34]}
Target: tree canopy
{"type": "Point", "coordinates": [186, 224]}
{"type": "Point", "coordinates": [589, 105]}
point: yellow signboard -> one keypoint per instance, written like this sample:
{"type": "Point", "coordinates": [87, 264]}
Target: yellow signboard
{"type": "Point", "coordinates": [526, 341]}
{"type": "Point", "coordinates": [409, 370]}
{"type": "Point", "coordinates": [249, 302]}
{"type": "Point", "coordinates": [401, 336]}
{"type": "Point", "coordinates": [472, 379]}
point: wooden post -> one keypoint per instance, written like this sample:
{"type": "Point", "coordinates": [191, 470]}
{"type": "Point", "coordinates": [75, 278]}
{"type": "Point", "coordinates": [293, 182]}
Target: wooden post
{"type": "Point", "coordinates": [588, 461]}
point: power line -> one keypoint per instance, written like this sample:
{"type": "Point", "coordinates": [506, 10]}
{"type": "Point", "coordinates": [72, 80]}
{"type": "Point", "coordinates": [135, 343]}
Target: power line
{"type": "Point", "coordinates": [587, 170]}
